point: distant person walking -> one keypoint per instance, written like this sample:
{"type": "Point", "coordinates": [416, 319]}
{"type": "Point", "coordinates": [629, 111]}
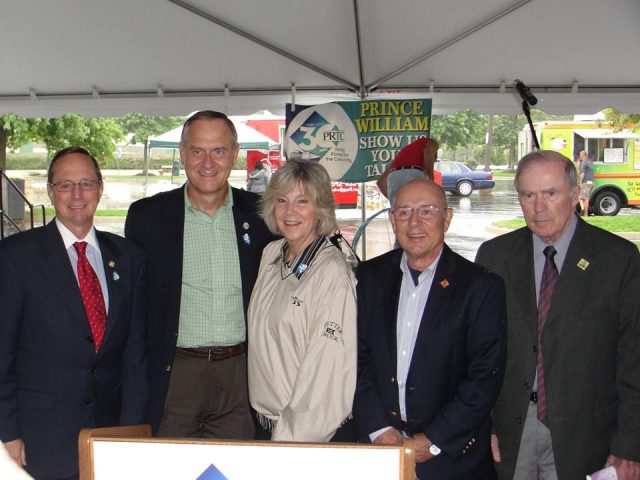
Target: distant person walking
{"type": "Point", "coordinates": [258, 179]}
{"type": "Point", "coordinates": [586, 182]}
{"type": "Point", "coordinates": [581, 156]}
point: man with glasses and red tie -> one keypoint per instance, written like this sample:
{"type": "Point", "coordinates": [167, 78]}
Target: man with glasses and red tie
{"type": "Point", "coordinates": [570, 403]}
{"type": "Point", "coordinates": [431, 343]}
{"type": "Point", "coordinates": [72, 337]}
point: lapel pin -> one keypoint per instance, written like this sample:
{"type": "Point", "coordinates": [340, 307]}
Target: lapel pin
{"type": "Point", "coordinates": [115, 276]}
{"type": "Point", "coordinates": [301, 268]}
{"type": "Point", "coordinates": [583, 264]}
{"type": "Point", "coordinates": [444, 283]}
{"type": "Point", "coordinates": [246, 239]}
{"type": "Point", "coordinates": [245, 225]}
{"type": "Point", "coordinates": [112, 264]}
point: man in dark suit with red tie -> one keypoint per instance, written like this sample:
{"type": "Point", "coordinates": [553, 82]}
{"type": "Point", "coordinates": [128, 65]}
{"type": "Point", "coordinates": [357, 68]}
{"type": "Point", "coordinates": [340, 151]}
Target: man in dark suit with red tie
{"type": "Point", "coordinates": [72, 345]}
{"type": "Point", "coordinates": [431, 343]}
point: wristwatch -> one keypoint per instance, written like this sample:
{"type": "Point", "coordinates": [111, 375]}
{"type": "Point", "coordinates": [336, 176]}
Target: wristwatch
{"type": "Point", "coordinates": [434, 449]}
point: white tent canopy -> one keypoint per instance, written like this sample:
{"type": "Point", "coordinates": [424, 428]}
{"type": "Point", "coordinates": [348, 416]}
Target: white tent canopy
{"type": "Point", "coordinates": [107, 58]}
{"type": "Point", "coordinates": [248, 138]}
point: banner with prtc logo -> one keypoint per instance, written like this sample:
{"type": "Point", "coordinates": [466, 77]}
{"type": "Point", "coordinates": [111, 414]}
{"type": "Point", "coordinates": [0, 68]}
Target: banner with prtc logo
{"type": "Point", "coordinates": [355, 141]}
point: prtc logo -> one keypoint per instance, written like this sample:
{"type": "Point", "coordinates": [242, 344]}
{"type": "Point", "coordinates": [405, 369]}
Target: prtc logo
{"type": "Point", "coordinates": [316, 136]}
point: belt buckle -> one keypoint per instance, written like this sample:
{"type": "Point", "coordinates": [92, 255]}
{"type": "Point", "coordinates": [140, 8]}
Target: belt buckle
{"type": "Point", "coordinates": [216, 352]}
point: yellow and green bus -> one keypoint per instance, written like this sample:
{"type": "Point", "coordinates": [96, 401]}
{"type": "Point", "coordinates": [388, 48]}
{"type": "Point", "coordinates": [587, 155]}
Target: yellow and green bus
{"type": "Point", "coordinates": [615, 156]}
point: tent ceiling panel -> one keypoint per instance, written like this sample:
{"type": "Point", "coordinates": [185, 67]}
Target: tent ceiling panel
{"type": "Point", "coordinates": [59, 56]}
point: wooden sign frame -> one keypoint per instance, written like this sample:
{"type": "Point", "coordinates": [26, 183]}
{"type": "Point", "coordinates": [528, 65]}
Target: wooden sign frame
{"type": "Point", "coordinates": [340, 455]}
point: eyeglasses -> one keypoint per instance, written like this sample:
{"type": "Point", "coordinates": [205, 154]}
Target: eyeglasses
{"type": "Point", "coordinates": [68, 185]}
{"type": "Point", "coordinates": [426, 212]}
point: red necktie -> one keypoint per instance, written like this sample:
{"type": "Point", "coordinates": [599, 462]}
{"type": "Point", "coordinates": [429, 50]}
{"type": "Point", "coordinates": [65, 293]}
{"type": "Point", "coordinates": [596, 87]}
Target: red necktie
{"type": "Point", "coordinates": [91, 295]}
{"type": "Point", "coordinates": [547, 287]}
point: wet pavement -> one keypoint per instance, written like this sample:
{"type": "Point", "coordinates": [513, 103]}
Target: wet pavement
{"type": "Point", "coordinates": [470, 226]}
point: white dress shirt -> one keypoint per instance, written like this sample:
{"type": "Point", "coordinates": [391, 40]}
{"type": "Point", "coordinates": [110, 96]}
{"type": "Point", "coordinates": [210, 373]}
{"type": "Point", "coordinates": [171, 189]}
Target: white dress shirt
{"type": "Point", "coordinates": [411, 305]}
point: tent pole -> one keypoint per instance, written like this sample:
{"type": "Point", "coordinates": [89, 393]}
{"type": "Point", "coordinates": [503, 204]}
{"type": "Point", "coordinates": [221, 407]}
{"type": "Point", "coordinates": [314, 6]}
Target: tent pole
{"type": "Point", "coordinates": [356, 17]}
{"type": "Point", "coordinates": [363, 94]}
{"type": "Point", "coordinates": [263, 43]}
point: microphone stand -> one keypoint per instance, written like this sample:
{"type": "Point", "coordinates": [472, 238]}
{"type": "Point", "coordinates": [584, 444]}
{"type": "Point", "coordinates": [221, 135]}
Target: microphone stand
{"type": "Point", "coordinates": [527, 113]}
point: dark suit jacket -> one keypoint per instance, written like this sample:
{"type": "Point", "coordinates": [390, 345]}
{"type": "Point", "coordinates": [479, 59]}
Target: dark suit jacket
{"type": "Point", "coordinates": [457, 364]}
{"type": "Point", "coordinates": [591, 349]}
{"type": "Point", "coordinates": [52, 382]}
{"type": "Point", "coordinates": [156, 224]}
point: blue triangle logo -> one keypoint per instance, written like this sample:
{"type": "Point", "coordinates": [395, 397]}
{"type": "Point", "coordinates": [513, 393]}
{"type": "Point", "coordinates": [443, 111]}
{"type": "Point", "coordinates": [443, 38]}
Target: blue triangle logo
{"type": "Point", "coordinates": [212, 473]}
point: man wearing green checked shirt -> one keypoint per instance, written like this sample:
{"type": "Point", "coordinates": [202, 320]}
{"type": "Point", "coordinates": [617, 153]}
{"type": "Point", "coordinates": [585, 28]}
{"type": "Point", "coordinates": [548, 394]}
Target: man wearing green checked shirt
{"type": "Point", "coordinates": [203, 243]}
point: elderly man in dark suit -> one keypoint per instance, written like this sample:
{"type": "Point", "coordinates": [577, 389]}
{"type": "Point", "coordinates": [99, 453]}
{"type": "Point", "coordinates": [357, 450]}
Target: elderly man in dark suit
{"type": "Point", "coordinates": [72, 347]}
{"type": "Point", "coordinates": [570, 403]}
{"type": "Point", "coordinates": [203, 244]}
{"type": "Point", "coordinates": [431, 343]}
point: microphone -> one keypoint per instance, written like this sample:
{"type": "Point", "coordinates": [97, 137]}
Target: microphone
{"type": "Point", "coordinates": [525, 92]}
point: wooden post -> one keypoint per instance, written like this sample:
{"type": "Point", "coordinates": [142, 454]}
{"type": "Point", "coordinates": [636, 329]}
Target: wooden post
{"type": "Point", "coordinates": [85, 452]}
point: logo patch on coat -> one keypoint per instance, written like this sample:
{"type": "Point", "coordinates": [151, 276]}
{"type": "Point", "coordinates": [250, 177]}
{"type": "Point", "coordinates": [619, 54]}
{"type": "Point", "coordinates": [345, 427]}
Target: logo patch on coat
{"type": "Point", "coordinates": [332, 330]}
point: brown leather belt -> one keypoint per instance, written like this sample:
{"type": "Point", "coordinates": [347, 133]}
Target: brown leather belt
{"type": "Point", "coordinates": [406, 167]}
{"type": "Point", "coordinates": [214, 354]}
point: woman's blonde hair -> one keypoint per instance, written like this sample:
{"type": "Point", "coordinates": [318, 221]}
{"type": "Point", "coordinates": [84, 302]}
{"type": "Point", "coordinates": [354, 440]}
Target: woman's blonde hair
{"type": "Point", "coordinates": [314, 181]}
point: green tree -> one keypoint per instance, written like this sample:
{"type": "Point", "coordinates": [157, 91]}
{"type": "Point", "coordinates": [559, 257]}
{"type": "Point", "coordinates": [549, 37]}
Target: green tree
{"type": "Point", "coordinates": [458, 130]}
{"type": "Point", "coordinates": [14, 131]}
{"type": "Point", "coordinates": [505, 134]}
{"type": "Point", "coordinates": [507, 127]}
{"type": "Point", "coordinates": [98, 135]}
{"type": "Point", "coordinates": [142, 127]}
{"type": "Point", "coordinates": [620, 121]}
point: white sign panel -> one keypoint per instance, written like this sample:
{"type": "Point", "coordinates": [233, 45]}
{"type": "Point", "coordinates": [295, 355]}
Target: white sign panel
{"type": "Point", "coordinates": [124, 460]}
{"type": "Point", "coordinates": [613, 155]}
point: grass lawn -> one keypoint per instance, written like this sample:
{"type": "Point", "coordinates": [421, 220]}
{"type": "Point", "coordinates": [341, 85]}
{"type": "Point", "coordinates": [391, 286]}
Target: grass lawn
{"type": "Point", "coordinates": [503, 173]}
{"type": "Point", "coordinates": [611, 224]}
{"type": "Point", "coordinates": [112, 213]}
{"type": "Point", "coordinates": [50, 213]}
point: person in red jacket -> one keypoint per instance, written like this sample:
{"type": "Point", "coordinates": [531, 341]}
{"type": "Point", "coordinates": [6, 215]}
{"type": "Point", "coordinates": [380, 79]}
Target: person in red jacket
{"type": "Point", "coordinates": [415, 160]}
